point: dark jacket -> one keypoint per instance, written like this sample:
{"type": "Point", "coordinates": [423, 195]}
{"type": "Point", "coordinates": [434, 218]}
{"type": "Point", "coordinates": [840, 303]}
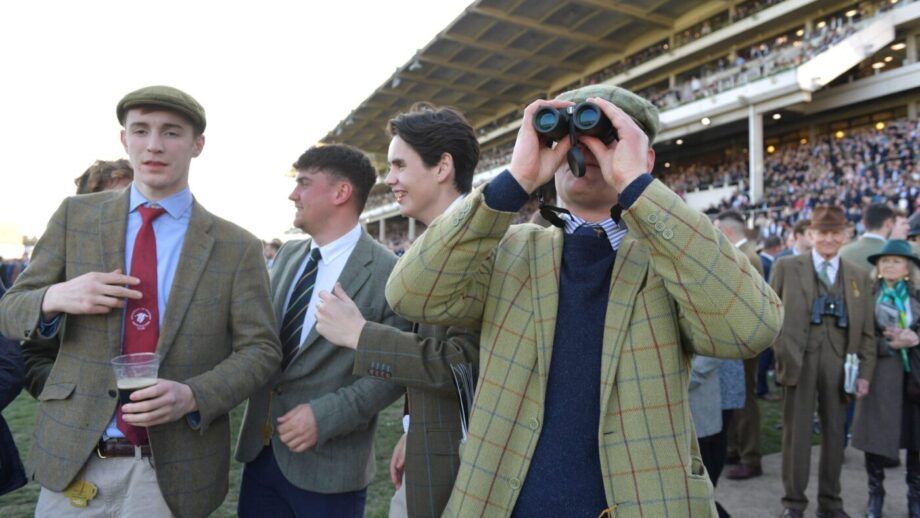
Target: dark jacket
{"type": "Point", "coordinates": [12, 372]}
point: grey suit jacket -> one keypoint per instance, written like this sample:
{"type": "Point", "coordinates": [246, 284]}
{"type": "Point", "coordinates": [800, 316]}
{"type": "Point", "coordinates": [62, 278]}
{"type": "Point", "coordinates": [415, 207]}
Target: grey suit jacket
{"type": "Point", "coordinates": [217, 337]}
{"type": "Point", "coordinates": [320, 374]}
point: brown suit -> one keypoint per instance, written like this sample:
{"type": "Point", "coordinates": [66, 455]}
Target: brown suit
{"type": "Point", "coordinates": [744, 430]}
{"type": "Point", "coordinates": [217, 337]}
{"type": "Point", "coordinates": [804, 369]}
{"type": "Point", "coordinates": [422, 363]}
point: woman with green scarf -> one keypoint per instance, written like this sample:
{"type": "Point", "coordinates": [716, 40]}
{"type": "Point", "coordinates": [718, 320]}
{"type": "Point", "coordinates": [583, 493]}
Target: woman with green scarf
{"type": "Point", "coordinates": [887, 420]}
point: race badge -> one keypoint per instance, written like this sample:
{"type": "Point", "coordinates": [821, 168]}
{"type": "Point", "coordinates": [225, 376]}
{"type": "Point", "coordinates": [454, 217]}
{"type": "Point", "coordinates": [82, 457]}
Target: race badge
{"type": "Point", "coordinates": [141, 318]}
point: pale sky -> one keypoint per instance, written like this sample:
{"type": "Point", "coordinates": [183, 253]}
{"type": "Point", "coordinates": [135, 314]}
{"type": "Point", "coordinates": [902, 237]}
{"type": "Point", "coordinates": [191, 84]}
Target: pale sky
{"type": "Point", "coordinates": [273, 76]}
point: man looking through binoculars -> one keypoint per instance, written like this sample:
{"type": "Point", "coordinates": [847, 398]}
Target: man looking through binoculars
{"type": "Point", "coordinates": [586, 330]}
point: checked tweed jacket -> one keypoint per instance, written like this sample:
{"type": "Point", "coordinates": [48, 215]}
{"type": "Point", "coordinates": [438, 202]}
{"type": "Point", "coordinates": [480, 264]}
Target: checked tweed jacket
{"type": "Point", "coordinates": [422, 363]}
{"type": "Point", "coordinates": [678, 287]}
{"type": "Point", "coordinates": [217, 337]}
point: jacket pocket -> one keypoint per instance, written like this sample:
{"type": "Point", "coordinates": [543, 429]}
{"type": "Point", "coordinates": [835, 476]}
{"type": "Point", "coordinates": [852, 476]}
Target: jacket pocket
{"type": "Point", "coordinates": [57, 391]}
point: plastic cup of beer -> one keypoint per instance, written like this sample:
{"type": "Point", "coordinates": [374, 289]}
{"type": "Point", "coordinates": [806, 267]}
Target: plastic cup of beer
{"type": "Point", "coordinates": [134, 372]}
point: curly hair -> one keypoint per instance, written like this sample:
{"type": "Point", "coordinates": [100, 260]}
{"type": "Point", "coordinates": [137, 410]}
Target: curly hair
{"type": "Point", "coordinates": [103, 175]}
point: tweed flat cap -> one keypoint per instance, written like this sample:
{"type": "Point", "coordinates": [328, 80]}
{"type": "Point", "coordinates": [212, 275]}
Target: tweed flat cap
{"type": "Point", "coordinates": [166, 97]}
{"type": "Point", "coordinates": [642, 111]}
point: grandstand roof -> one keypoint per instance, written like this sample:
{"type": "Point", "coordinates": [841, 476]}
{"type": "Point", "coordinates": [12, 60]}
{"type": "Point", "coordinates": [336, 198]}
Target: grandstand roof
{"type": "Point", "coordinates": [499, 55]}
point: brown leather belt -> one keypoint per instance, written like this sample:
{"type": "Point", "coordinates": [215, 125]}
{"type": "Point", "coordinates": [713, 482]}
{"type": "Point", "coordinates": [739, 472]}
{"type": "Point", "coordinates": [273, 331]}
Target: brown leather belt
{"type": "Point", "coordinates": [119, 447]}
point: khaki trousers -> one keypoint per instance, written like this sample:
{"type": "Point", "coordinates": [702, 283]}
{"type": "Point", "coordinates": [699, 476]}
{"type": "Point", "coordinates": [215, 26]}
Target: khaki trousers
{"type": "Point", "coordinates": [126, 487]}
{"type": "Point", "coordinates": [744, 431]}
{"type": "Point", "coordinates": [398, 507]}
{"type": "Point", "coordinates": [822, 374]}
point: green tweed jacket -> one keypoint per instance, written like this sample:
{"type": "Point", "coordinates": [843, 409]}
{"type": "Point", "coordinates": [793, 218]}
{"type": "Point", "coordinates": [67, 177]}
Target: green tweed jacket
{"type": "Point", "coordinates": [422, 363]}
{"type": "Point", "coordinates": [320, 373]}
{"type": "Point", "coordinates": [678, 287]}
{"type": "Point", "coordinates": [217, 337]}
{"type": "Point", "coordinates": [858, 252]}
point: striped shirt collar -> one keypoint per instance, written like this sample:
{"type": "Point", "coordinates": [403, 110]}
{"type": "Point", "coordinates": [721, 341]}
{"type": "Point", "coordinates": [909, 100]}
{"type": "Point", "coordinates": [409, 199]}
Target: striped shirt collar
{"type": "Point", "coordinates": [615, 231]}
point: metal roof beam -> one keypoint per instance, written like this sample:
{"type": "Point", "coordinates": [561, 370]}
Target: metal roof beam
{"type": "Point", "coordinates": [515, 53]}
{"type": "Point", "coordinates": [629, 10]}
{"type": "Point", "coordinates": [459, 88]}
{"type": "Point", "coordinates": [537, 26]}
{"type": "Point", "coordinates": [491, 73]}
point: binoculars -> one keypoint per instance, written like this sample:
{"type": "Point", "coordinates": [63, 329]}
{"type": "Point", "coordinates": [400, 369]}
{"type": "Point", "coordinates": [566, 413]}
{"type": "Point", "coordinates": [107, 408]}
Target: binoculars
{"type": "Point", "coordinates": [830, 306]}
{"type": "Point", "coordinates": [581, 119]}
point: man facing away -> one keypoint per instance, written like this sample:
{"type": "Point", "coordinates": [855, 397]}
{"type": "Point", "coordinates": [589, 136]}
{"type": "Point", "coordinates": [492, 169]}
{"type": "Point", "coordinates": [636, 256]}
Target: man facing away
{"type": "Point", "coordinates": [587, 331]}
{"type": "Point", "coordinates": [202, 286]}
{"type": "Point", "coordinates": [879, 220]}
{"type": "Point", "coordinates": [432, 155]}
{"type": "Point", "coordinates": [829, 314]}
{"type": "Point", "coordinates": [308, 434]}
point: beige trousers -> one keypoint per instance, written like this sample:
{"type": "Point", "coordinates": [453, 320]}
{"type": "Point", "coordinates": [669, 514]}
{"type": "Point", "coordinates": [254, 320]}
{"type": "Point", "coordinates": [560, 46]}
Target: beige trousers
{"type": "Point", "coordinates": [126, 487]}
{"type": "Point", "coordinates": [398, 507]}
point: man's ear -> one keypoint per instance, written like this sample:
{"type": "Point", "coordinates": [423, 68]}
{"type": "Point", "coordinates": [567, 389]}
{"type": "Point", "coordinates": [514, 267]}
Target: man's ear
{"type": "Point", "coordinates": [344, 192]}
{"type": "Point", "coordinates": [199, 145]}
{"type": "Point", "coordinates": [446, 168]}
{"type": "Point", "coordinates": [650, 160]}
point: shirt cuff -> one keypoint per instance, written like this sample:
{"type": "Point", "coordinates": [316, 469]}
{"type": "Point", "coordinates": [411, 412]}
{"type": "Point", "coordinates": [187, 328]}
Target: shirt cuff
{"type": "Point", "coordinates": [48, 329]}
{"type": "Point", "coordinates": [505, 194]}
{"type": "Point", "coordinates": [635, 189]}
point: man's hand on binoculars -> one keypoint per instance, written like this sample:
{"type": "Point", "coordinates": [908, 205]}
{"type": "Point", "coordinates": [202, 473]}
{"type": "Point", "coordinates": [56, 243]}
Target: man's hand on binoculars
{"type": "Point", "coordinates": [625, 159]}
{"type": "Point", "coordinates": [532, 163]}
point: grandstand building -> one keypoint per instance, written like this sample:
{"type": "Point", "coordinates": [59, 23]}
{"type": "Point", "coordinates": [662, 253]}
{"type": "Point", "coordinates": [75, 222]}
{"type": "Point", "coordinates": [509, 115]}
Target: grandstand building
{"type": "Point", "coordinates": [756, 96]}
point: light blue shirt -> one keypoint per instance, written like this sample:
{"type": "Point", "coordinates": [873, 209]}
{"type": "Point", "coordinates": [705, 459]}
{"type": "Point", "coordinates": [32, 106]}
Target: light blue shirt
{"type": "Point", "coordinates": [169, 229]}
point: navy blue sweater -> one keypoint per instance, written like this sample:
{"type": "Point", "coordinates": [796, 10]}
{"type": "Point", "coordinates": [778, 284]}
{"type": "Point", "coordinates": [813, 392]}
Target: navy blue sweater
{"type": "Point", "coordinates": [565, 474]}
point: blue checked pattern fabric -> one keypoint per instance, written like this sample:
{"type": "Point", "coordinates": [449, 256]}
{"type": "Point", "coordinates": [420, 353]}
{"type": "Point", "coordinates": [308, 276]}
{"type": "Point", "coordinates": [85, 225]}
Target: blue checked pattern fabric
{"type": "Point", "coordinates": [292, 325]}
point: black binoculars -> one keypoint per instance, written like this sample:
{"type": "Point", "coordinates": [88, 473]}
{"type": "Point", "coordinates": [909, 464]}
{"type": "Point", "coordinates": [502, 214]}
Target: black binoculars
{"type": "Point", "coordinates": [830, 306]}
{"type": "Point", "coordinates": [581, 119]}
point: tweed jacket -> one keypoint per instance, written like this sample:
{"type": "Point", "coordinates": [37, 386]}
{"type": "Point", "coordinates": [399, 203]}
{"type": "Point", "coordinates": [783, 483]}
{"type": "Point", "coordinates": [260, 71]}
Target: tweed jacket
{"type": "Point", "coordinates": [422, 363]}
{"type": "Point", "coordinates": [678, 287]}
{"type": "Point", "coordinates": [217, 337]}
{"type": "Point", "coordinates": [320, 373]}
{"type": "Point", "coordinates": [795, 281]}
{"type": "Point", "coordinates": [858, 252]}
{"type": "Point", "coordinates": [749, 249]}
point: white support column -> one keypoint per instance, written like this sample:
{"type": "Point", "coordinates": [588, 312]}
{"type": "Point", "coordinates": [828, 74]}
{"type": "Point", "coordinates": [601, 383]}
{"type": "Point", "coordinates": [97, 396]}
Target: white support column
{"type": "Point", "coordinates": [912, 110]}
{"type": "Point", "coordinates": [411, 229]}
{"type": "Point", "coordinates": [755, 153]}
{"type": "Point", "coordinates": [911, 50]}
{"type": "Point", "coordinates": [382, 231]}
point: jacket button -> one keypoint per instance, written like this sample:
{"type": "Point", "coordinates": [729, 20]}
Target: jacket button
{"type": "Point", "coordinates": [659, 226]}
{"type": "Point", "coordinates": [515, 483]}
{"type": "Point", "coordinates": [534, 423]}
{"type": "Point", "coordinates": [667, 233]}
{"type": "Point", "coordinates": [652, 218]}
{"type": "Point", "coordinates": [112, 393]}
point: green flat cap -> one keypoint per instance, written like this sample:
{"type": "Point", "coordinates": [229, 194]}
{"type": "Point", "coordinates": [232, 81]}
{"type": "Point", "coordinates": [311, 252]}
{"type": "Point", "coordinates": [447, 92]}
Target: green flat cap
{"type": "Point", "coordinates": [165, 97]}
{"type": "Point", "coordinates": [643, 112]}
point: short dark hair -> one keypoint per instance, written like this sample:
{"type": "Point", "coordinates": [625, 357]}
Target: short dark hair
{"type": "Point", "coordinates": [731, 215]}
{"type": "Point", "coordinates": [99, 176]}
{"type": "Point", "coordinates": [433, 131]}
{"type": "Point", "coordinates": [772, 242]}
{"type": "Point", "coordinates": [800, 227]}
{"type": "Point", "coordinates": [876, 215]}
{"type": "Point", "coordinates": [345, 163]}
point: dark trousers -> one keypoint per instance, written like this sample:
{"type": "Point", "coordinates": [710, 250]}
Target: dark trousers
{"type": "Point", "coordinates": [266, 492]}
{"type": "Point", "coordinates": [713, 449]}
{"type": "Point", "coordinates": [764, 364]}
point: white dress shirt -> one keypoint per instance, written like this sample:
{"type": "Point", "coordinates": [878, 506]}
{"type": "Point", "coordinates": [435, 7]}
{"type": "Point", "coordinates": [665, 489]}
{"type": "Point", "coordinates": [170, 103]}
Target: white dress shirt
{"type": "Point", "coordinates": [334, 257]}
{"type": "Point", "coordinates": [831, 270]}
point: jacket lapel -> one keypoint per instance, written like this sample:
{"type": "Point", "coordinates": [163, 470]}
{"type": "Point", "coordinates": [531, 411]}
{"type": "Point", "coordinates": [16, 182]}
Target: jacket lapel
{"type": "Point", "coordinates": [545, 267]}
{"type": "Point", "coordinates": [196, 250]}
{"type": "Point", "coordinates": [282, 276]}
{"type": "Point", "coordinates": [629, 272]}
{"type": "Point", "coordinates": [113, 222]}
{"type": "Point", "coordinates": [353, 276]}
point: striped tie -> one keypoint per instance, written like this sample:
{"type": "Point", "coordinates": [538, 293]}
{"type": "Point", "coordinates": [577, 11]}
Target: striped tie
{"type": "Point", "coordinates": [292, 325]}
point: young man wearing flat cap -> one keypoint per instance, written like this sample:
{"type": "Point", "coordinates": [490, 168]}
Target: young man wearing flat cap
{"type": "Point", "coordinates": [144, 269]}
{"type": "Point", "coordinates": [587, 330]}
{"type": "Point", "coordinates": [829, 314]}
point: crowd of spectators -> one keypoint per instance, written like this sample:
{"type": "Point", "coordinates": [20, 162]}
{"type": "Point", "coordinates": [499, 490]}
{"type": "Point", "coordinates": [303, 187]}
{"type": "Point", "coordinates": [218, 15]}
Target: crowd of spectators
{"type": "Point", "coordinates": [852, 168]}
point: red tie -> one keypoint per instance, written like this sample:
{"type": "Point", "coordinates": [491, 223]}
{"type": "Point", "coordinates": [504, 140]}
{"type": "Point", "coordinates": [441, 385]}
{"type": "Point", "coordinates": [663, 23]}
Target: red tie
{"type": "Point", "coordinates": [142, 316]}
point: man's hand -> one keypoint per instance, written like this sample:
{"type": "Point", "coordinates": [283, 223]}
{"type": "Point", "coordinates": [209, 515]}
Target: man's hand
{"type": "Point", "coordinates": [165, 402]}
{"type": "Point", "coordinates": [624, 159]}
{"type": "Point", "coordinates": [532, 163]}
{"type": "Point", "coordinates": [398, 462]}
{"type": "Point", "coordinates": [297, 428]}
{"type": "Point", "coordinates": [338, 318]}
{"type": "Point", "coordinates": [862, 388]}
{"type": "Point", "coordinates": [90, 293]}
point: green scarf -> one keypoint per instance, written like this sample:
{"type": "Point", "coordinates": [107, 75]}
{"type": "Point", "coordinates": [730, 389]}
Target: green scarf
{"type": "Point", "coordinates": [899, 298]}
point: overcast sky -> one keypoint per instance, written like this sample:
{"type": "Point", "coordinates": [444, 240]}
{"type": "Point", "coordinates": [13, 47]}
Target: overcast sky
{"type": "Point", "coordinates": [273, 76]}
